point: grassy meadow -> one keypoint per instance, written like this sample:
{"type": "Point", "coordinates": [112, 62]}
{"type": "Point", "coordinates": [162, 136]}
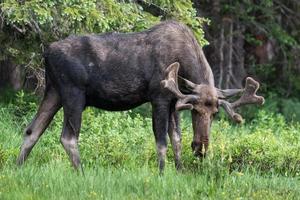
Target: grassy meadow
{"type": "Point", "coordinates": [259, 159]}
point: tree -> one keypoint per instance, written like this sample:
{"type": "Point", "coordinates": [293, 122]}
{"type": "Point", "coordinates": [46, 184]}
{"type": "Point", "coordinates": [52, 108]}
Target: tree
{"type": "Point", "coordinates": [254, 37]}
{"type": "Point", "coordinates": [29, 26]}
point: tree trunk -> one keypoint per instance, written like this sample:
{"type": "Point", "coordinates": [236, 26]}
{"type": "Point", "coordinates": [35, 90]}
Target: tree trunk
{"type": "Point", "coordinates": [226, 50]}
{"type": "Point", "coordinates": [11, 75]}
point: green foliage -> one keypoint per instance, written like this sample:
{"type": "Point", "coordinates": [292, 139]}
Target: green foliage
{"type": "Point", "coordinates": [267, 143]}
{"type": "Point", "coordinates": [36, 23]}
{"type": "Point", "coordinates": [2, 156]}
{"type": "Point", "coordinates": [278, 22]}
{"type": "Point", "coordinates": [24, 104]}
{"type": "Point", "coordinates": [287, 107]}
{"type": "Point", "coordinates": [290, 109]}
{"type": "Point", "coordinates": [271, 146]}
{"type": "Point", "coordinates": [184, 11]}
{"type": "Point", "coordinates": [7, 95]}
{"type": "Point", "coordinates": [58, 181]}
{"type": "Point", "coordinates": [257, 159]}
{"type": "Point", "coordinates": [262, 16]}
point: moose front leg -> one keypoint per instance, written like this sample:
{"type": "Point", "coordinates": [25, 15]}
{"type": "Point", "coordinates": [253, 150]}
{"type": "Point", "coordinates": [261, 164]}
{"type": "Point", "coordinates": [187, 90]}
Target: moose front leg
{"type": "Point", "coordinates": [160, 119]}
{"type": "Point", "coordinates": [175, 136]}
{"type": "Point", "coordinates": [73, 106]}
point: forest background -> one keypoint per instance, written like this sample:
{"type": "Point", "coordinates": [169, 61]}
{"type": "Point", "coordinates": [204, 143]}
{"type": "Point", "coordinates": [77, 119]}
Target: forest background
{"type": "Point", "coordinates": [261, 158]}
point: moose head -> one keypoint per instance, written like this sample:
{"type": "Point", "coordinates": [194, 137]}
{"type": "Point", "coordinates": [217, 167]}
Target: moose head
{"type": "Point", "coordinates": [204, 101]}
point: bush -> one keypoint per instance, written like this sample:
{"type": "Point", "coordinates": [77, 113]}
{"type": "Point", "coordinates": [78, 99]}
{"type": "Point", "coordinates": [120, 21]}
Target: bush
{"type": "Point", "coordinates": [2, 156]}
{"type": "Point", "coordinates": [290, 109]}
{"type": "Point", "coordinates": [267, 143]}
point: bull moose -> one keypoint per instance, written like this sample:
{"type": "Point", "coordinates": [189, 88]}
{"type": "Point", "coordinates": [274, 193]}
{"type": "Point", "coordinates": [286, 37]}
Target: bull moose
{"type": "Point", "coordinates": [163, 65]}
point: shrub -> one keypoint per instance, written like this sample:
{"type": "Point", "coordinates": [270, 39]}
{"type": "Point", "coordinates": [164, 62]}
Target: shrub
{"type": "Point", "coordinates": [268, 143]}
{"type": "Point", "coordinates": [2, 156]}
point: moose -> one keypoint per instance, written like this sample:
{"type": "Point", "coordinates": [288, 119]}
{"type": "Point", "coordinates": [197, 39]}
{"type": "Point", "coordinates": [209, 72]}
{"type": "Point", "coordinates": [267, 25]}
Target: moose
{"type": "Point", "coordinates": [163, 65]}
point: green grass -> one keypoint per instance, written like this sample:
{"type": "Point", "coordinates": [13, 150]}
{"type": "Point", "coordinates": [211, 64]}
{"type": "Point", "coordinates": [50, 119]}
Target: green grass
{"type": "Point", "coordinates": [57, 180]}
{"type": "Point", "coordinates": [257, 160]}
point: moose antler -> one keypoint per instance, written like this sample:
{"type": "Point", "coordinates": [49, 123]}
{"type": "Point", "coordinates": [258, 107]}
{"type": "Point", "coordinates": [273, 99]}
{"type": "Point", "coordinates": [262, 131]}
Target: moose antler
{"type": "Point", "coordinates": [248, 97]}
{"type": "Point", "coordinates": [170, 82]}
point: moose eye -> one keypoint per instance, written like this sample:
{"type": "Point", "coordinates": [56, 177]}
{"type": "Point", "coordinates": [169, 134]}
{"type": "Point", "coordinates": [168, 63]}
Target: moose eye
{"type": "Point", "coordinates": [208, 103]}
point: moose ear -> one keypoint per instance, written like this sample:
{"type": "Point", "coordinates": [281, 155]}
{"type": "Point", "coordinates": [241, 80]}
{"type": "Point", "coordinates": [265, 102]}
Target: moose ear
{"type": "Point", "coordinates": [170, 83]}
{"type": "Point", "coordinates": [186, 85]}
{"type": "Point", "coordinates": [187, 103]}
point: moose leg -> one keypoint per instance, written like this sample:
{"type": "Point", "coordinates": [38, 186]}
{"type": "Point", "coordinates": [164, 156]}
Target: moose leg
{"type": "Point", "coordinates": [175, 136]}
{"type": "Point", "coordinates": [160, 118]}
{"type": "Point", "coordinates": [73, 107]}
{"type": "Point", "coordinates": [48, 108]}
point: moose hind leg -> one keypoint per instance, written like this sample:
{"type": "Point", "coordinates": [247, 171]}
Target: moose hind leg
{"type": "Point", "coordinates": [175, 136]}
{"type": "Point", "coordinates": [47, 109]}
{"type": "Point", "coordinates": [160, 115]}
{"type": "Point", "coordinates": [73, 107]}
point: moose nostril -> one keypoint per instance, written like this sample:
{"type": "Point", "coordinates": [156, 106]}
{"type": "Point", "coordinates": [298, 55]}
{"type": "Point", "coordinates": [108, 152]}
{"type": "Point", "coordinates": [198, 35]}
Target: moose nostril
{"type": "Point", "coordinates": [200, 154]}
{"type": "Point", "coordinates": [194, 145]}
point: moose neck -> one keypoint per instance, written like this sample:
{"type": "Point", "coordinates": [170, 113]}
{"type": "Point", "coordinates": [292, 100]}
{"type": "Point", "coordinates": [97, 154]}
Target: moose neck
{"type": "Point", "coordinates": [196, 67]}
{"type": "Point", "coordinates": [199, 73]}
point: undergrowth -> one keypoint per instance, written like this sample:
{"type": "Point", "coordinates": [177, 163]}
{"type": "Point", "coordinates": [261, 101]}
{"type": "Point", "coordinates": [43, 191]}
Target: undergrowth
{"type": "Point", "coordinates": [263, 151]}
